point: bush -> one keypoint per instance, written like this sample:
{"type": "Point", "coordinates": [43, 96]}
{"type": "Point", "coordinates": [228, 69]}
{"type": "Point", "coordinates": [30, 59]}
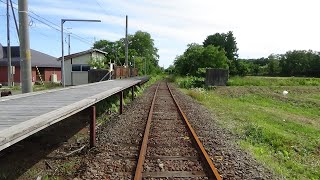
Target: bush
{"type": "Point", "coordinates": [171, 78]}
{"type": "Point", "coordinates": [190, 82]}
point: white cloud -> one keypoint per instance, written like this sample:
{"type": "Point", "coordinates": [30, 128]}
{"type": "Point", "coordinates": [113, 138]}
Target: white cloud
{"type": "Point", "coordinates": [101, 34]}
{"type": "Point", "coordinates": [261, 27]}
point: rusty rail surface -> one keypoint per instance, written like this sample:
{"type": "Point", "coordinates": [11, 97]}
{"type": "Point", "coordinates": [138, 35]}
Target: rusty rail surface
{"type": "Point", "coordinates": [206, 159]}
{"type": "Point", "coordinates": [211, 171]}
{"type": "Point", "coordinates": [143, 150]}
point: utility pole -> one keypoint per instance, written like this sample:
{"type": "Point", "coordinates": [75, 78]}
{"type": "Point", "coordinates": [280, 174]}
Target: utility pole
{"type": "Point", "coordinates": [126, 53]}
{"type": "Point", "coordinates": [25, 53]}
{"type": "Point", "coordinates": [69, 43]}
{"type": "Point", "coordinates": [9, 47]}
{"type": "Point", "coordinates": [14, 17]}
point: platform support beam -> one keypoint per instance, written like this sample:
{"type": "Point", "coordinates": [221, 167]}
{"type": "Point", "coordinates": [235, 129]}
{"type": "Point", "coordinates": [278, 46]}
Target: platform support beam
{"type": "Point", "coordinates": [92, 126]}
{"type": "Point", "coordinates": [132, 93]}
{"type": "Point", "coordinates": [121, 102]}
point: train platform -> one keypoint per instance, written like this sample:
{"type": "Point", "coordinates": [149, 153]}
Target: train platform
{"type": "Point", "coordinates": [25, 114]}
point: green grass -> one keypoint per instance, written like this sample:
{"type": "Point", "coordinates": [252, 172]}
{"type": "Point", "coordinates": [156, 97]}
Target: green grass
{"type": "Point", "coordinates": [282, 132]}
{"type": "Point", "coordinates": [46, 86]}
{"type": "Point", "coordinates": [273, 81]}
{"type": "Point", "coordinates": [188, 82]}
{"type": "Point", "coordinates": [37, 87]}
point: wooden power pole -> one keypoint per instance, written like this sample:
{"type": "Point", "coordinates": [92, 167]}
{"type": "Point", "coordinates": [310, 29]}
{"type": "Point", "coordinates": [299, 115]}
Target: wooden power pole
{"type": "Point", "coordinates": [126, 53]}
{"type": "Point", "coordinates": [9, 47]}
{"type": "Point", "coordinates": [25, 53]}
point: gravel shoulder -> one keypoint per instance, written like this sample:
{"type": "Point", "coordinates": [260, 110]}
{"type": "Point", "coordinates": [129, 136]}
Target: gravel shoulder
{"type": "Point", "coordinates": [231, 161]}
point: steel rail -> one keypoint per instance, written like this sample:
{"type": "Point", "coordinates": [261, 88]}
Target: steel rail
{"type": "Point", "coordinates": [143, 150]}
{"type": "Point", "coordinates": [211, 168]}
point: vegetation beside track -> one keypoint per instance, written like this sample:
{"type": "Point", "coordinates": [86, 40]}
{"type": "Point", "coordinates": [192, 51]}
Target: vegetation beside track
{"type": "Point", "coordinates": [112, 103]}
{"type": "Point", "coordinates": [280, 131]}
{"type": "Point", "coordinates": [273, 81]}
{"type": "Point", "coordinates": [36, 87]}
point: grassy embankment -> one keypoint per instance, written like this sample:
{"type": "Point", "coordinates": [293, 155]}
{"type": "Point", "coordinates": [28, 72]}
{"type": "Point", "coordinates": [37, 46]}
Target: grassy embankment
{"type": "Point", "coordinates": [283, 132]}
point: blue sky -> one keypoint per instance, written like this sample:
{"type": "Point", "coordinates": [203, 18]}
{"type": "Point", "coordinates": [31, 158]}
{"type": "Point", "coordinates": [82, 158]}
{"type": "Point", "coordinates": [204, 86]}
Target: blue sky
{"type": "Point", "coordinates": [260, 27]}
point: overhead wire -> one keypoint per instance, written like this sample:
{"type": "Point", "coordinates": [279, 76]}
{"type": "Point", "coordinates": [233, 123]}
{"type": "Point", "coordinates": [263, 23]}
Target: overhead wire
{"type": "Point", "coordinates": [51, 25]}
{"type": "Point", "coordinates": [106, 12]}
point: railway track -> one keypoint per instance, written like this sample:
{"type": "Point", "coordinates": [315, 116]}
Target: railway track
{"type": "Point", "coordinates": [170, 148]}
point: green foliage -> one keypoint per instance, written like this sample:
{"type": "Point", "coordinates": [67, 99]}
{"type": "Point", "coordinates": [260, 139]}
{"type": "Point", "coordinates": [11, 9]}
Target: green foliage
{"type": "Point", "coordinates": [197, 56]}
{"type": "Point", "coordinates": [171, 78]}
{"type": "Point", "coordinates": [170, 70]}
{"type": "Point", "coordinates": [190, 82]}
{"type": "Point", "coordinates": [273, 65]}
{"type": "Point", "coordinates": [214, 58]}
{"type": "Point", "coordinates": [272, 81]}
{"type": "Point", "coordinates": [300, 62]}
{"type": "Point", "coordinates": [241, 68]}
{"type": "Point", "coordinates": [98, 62]}
{"type": "Point", "coordinates": [254, 134]}
{"type": "Point", "coordinates": [143, 46]}
{"type": "Point", "coordinates": [201, 72]}
{"type": "Point", "coordinates": [141, 52]}
{"type": "Point", "coordinates": [113, 49]}
{"type": "Point", "coordinates": [292, 63]}
{"type": "Point", "coordinates": [227, 42]}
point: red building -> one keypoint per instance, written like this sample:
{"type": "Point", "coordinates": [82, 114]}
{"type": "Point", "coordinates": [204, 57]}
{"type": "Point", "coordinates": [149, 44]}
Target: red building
{"type": "Point", "coordinates": [48, 66]}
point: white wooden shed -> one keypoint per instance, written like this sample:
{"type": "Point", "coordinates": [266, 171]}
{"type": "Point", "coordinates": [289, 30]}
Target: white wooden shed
{"type": "Point", "coordinates": [77, 67]}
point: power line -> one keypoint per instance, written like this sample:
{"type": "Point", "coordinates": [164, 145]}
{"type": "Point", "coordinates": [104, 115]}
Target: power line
{"type": "Point", "coordinates": [101, 7]}
{"type": "Point", "coordinates": [52, 25]}
{"type": "Point", "coordinates": [104, 10]}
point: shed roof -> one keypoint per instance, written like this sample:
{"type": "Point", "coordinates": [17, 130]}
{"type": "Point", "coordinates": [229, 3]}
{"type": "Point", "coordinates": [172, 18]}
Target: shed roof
{"type": "Point", "coordinates": [37, 58]}
{"type": "Point", "coordinates": [82, 53]}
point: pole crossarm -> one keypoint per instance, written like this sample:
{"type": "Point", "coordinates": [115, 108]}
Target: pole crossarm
{"type": "Point", "coordinates": [81, 20]}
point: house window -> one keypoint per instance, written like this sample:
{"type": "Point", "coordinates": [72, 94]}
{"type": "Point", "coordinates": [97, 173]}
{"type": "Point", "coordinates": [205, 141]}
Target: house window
{"type": "Point", "coordinates": [76, 67]}
{"type": "Point", "coordinates": [80, 67]}
{"type": "Point", "coordinates": [85, 67]}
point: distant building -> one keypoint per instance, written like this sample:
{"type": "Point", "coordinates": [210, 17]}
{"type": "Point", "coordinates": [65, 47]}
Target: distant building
{"type": "Point", "coordinates": [48, 66]}
{"type": "Point", "coordinates": [77, 67]}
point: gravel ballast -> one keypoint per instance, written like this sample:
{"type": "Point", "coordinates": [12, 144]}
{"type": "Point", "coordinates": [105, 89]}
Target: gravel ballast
{"type": "Point", "coordinates": [119, 139]}
{"type": "Point", "coordinates": [119, 143]}
{"type": "Point", "coordinates": [231, 161]}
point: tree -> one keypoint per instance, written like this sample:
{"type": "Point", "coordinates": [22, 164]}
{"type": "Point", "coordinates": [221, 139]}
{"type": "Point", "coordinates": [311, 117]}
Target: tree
{"type": "Point", "coordinates": [143, 45]}
{"type": "Point", "coordinates": [188, 63]}
{"type": "Point", "coordinates": [170, 69]}
{"type": "Point", "coordinates": [227, 42]}
{"type": "Point", "coordinates": [295, 62]}
{"type": "Point", "coordinates": [106, 46]}
{"type": "Point", "coordinates": [273, 64]}
{"type": "Point", "coordinates": [243, 68]}
{"type": "Point", "coordinates": [98, 62]}
{"type": "Point", "coordinates": [214, 58]}
{"type": "Point", "coordinates": [141, 51]}
{"type": "Point", "coordinates": [314, 64]}
{"type": "Point", "coordinates": [197, 56]}
{"type": "Point", "coordinates": [300, 62]}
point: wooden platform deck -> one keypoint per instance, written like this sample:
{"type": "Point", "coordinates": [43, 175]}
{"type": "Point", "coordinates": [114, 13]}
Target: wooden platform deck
{"type": "Point", "coordinates": [25, 114]}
